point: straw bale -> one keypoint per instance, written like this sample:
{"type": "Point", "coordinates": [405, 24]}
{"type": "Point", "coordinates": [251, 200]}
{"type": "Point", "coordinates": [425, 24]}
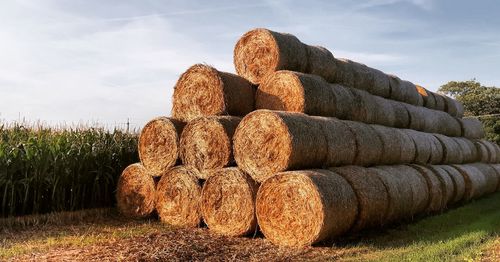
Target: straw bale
{"type": "Point", "coordinates": [135, 192]}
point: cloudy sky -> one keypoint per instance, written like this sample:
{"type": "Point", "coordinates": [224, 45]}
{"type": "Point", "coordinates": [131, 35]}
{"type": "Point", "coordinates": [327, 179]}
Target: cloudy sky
{"type": "Point", "coordinates": [106, 61]}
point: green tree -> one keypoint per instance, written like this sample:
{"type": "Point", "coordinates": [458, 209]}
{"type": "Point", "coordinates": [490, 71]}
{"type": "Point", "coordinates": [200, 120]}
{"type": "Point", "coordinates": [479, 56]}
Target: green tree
{"type": "Point", "coordinates": [479, 101]}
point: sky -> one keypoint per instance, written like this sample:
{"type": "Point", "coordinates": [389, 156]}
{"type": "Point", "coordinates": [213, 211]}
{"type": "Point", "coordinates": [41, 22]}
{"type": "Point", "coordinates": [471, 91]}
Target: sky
{"type": "Point", "coordinates": [88, 61]}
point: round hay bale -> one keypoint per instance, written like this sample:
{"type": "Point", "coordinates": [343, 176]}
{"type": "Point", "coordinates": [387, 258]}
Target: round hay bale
{"type": "Point", "coordinates": [397, 92]}
{"type": "Point", "coordinates": [267, 142]}
{"type": "Point", "coordinates": [437, 150]}
{"type": "Point", "coordinates": [300, 208]}
{"type": "Point", "coordinates": [135, 192]}
{"type": "Point", "coordinates": [204, 91]}
{"type": "Point", "coordinates": [371, 194]}
{"type": "Point", "coordinates": [321, 63]}
{"type": "Point", "coordinates": [472, 128]}
{"type": "Point", "coordinates": [260, 52]}
{"type": "Point", "coordinates": [178, 197]}
{"type": "Point", "coordinates": [341, 142]}
{"type": "Point", "coordinates": [158, 144]}
{"type": "Point", "coordinates": [206, 142]}
{"type": "Point", "coordinates": [451, 150]}
{"type": "Point", "coordinates": [482, 151]}
{"type": "Point", "coordinates": [490, 176]}
{"type": "Point", "coordinates": [440, 102]}
{"type": "Point", "coordinates": [475, 182]}
{"type": "Point", "coordinates": [497, 170]}
{"type": "Point", "coordinates": [408, 147]}
{"type": "Point", "coordinates": [345, 73]}
{"type": "Point", "coordinates": [448, 187]}
{"type": "Point", "coordinates": [383, 111]}
{"type": "Point", "coordinates": [421, 143]}
{"type": "Point", "coordinates": [418, 185]}
{"type": "Point", "coordinates": [363, 78]}
{"type": "Point", "coordinates": [468, 149]}
{"type": "Point", "coordinates": [401, 115]}
{"type": "Point", "coordinates": [368, 143]}
{"type": "Point", "coordinates": [411, 95]}
{"type": "Point", "coordinates": [492, 151]}
{"type": "Point", "coordinates": [228, 202]}
{"type": "Point", "coordinates": [436, 195]}
{"type": "Point", "coordinates": [427, 96]}
{"type": "Point", "coordinates": [448, 125]}
{"type": "Point", "coordinates": [451, 106]}
{"type": "Point", "coordinates": [391, 144]}
{"type": "Point", "coordinates": [458, 182]}
{"type": "Point", "coordinates": [417, 117]}
{"type": "Point", "coordinates": [497, 152]}
{"type": "Point", "coordinates": [400, 194]}
{"type": "Point", "coordinates": [381, 86]}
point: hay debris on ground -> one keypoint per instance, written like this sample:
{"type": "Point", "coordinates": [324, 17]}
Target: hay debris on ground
{"type": "Point", "coordinates": [158, 144]}
{"type": "Point", "coordinates": [178, 197]}
{"type": "Point", "coordinates": [135, 192]}
{"type": "Point", "coordinates": [204, 91]}
{"type": "Point", "coordinates": [228, 202]}
{"type": "Point", "coordinates": [207, 142]}
{"type": "Point", "coordinates": [300, 208]}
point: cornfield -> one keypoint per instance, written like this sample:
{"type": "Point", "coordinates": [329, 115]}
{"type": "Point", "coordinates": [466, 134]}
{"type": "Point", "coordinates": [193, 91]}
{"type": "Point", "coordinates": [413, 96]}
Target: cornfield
{"type": "Point", "coordinates": [45, 169]}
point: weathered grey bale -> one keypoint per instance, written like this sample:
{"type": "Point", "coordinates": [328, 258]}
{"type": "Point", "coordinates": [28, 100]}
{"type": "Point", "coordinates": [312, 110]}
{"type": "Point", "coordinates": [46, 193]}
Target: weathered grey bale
{"type": "Point", "coordinates": [373, 199]}
{"type": "Point", "coordinates": [402, 90]}
{"type": "Point", "coordinates": [368, 143]}
{"type": "Point", "coordinates": [437, 150]}
{"type": "Point", "coordinates": [492, 150]}
{"type": "Point", "coordinates": [440, 102]}
{"type": "Point", "coordinates": [482, 151]}
{"type": "Point", "coordinates": [341, 142]}
{"type": "Point", "coordinates": [471, 128]}
{"type": "Point", "coordinates": [497, 169]}
{"type": "Point", "coordinates": [452, 153]}
{"type": "Point", "coordinates": [446, 182]}
{"type": "Point", "coordinates": [204, 91]}
{"type": "Point", "coordinates": [408, 147]}
{"type": "Point", "coordinates": [398, 193]}
{"type": "Point", "coordinates": [417, 117]}
{"type": "Point", "coordinates": [468, 149]}
{"type": "Point", "coordinates": [475, 182]}
{"type": "Point", "coordinates": [401, 115]}
{"type": "Point", "coordinates": [391, 144]}
{"type": "Point", "coordinates": [436, 195]}
{"type": "Point", "coordinates": [490, 175]}
{"type": "Point", "coordinates": [422, 144]}
{"type": "Point", "coordinates": [300, 208]}
{"type": "Point", "coordinates": [458, 182]}
{"type": "Point", "coordinates": [427, 96]}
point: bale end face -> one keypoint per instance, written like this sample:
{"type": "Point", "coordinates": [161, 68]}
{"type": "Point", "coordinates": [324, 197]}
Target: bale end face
{"type": "Point", "coordinates": [199, 92]}
{"type": "Point", "coordinates": [135, 192]}
{"type": "Point", "coordinates": [228, 202]}
{"type": "Point", "coordinates": [159, 144]}
{"type": "Point", "coordinates": [300, 208]}
{"type": "Point", "coordinates": [178, 196]}
{"type": "Point", "coordinates": [206, 142]}
{"type": "Point", "coordinates": [256, 55]}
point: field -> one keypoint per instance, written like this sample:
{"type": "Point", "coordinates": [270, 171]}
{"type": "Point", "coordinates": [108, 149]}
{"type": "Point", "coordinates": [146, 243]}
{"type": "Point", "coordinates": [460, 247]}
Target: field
{"type": "Point", "coordinates": [44, 169]}
{"type": "Point", "coordinates": [467, 233]}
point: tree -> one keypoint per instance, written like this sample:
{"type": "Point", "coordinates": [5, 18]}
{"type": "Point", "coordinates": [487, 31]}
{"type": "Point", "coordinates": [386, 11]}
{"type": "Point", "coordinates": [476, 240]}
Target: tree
{"type": "Point", "coordinates": [479, 101]}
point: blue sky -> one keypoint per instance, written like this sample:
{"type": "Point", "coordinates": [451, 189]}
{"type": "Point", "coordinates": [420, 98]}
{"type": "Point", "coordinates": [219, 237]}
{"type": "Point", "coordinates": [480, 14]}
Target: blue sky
{"type": "Point", "coordinates": [106, 61]}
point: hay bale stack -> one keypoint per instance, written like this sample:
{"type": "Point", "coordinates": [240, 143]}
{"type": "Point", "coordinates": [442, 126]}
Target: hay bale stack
{"type": "Point", "coordinates": [475, 182]}
{"type": "Point", "coordinates": [300, 208]}
{"type": "Point", "coordinates": [228, 202]}
{"type": "Point", "coordinates": [207, 142]}
{"type": "Point", "coordinates": [135, 192]}
{"type": "Point", "coordinates": [472, 128]}
{"type": "Point", "coordinates": [400, 195]}
{"type": "Point", "coordinates": [178, 197]}
{"type": "Point", "coordinates": [436, 195]}
{"type": "Point", "coordinates": [158, 144]}
{"type": "Point", "coordinates": [368, 143]}
{"type": "Point", "coordinates": [451, 150]}
{"type": "Point", "coordinates": [458, 182]}
{"type": "Point", "coordinates": [490, 176]}
{"type": "Point", "coordinates": [447, 184]}
{"type": "Point", "coordinates": [204, 91]}
{"type": "Point", "coordinates": [404, 91]}
{"type": "Point", "coordinates": [373, 199]}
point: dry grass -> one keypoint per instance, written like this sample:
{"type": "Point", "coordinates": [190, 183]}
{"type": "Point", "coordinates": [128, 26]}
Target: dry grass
{"type": "Point", "coordinates": [135, 192]}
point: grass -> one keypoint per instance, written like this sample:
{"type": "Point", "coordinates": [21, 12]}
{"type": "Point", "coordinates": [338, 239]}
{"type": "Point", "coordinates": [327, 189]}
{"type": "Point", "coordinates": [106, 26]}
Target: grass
{"type": "Point", "coordinates": [466, 233]}
{"type": "Point", "coordinates": [45, 169]}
